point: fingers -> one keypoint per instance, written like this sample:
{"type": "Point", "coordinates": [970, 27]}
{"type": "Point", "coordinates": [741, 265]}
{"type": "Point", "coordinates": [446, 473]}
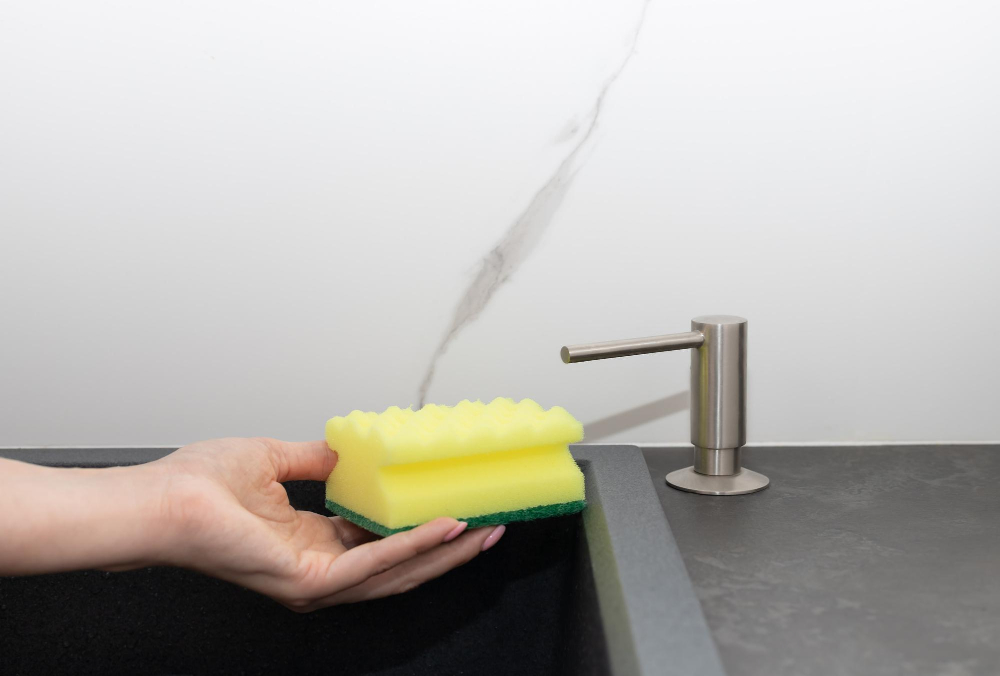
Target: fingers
{"type": "Point", "coordinates": [349, 534]}
{"type": "Point", "coordinates": [414, 572]}
{"type": "Point", "coordinates": [301, 459]}
{"type": "Point", "coordinates": [372, 558]}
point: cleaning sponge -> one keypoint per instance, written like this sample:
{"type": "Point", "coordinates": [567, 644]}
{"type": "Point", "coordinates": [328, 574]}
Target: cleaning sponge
{"type": "Point", "coordinates": [481, 463]}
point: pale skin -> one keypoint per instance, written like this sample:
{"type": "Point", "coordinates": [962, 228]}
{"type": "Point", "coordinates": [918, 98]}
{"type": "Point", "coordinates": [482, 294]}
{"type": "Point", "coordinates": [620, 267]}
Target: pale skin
{"type": "Point", "coordinates": [218, 507]}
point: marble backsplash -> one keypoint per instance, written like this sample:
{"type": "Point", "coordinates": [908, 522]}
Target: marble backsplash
{"type": "Point", "coordinates": [241, 220]}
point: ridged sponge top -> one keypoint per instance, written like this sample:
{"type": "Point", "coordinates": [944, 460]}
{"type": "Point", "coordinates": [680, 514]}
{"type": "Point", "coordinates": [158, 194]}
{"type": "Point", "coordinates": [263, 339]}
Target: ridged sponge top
{"type": "Point", "coordinates": [401, 436]}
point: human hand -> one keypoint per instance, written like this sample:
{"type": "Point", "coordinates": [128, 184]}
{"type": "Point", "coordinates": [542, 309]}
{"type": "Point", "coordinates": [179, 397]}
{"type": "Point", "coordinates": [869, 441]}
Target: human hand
{"type": "Point", "coordinates": [225, 513]}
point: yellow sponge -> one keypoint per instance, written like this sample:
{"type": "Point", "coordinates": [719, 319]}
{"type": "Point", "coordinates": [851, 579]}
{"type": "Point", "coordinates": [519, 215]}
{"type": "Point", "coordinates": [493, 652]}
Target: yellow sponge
{"type": "Point", "coordinates": [481, 463]}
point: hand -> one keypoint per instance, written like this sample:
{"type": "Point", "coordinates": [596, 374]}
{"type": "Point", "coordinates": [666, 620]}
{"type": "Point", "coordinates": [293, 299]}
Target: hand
{"type": "Point", "coordinates": [218, 507]}
{"type": "Point", "coordinates": [229, 517]}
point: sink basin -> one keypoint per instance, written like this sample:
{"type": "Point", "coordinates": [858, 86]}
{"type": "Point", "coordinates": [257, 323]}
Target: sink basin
{"type": "Point", "coordinates": [600, 592]}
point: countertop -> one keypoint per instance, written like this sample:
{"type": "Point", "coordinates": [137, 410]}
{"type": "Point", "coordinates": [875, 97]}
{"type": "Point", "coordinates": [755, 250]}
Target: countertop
{"type": "Point", "coordinates": [871, 560]}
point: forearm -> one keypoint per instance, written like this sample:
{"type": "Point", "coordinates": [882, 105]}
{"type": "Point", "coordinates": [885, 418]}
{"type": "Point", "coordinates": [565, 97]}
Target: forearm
{"type": "Point", "coordinates": [68, 519]}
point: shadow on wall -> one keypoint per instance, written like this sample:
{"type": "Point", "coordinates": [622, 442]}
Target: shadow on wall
{"type": "Point", "coordinates": [633, 417]}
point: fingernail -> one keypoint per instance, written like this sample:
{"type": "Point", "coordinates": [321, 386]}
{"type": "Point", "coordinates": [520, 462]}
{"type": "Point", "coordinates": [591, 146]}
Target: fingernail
{"type": "Point", "coordinates": [456, 531]}
{"type": "Point", "coordinates": [494, 537]}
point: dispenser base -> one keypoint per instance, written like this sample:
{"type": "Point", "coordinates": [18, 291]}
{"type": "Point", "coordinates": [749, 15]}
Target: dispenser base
{"type": "Point", "coordinates": [741, 483]}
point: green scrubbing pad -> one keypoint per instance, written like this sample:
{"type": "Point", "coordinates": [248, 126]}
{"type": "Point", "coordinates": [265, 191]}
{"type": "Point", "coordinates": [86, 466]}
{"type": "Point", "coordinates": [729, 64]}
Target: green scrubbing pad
{"type": "Point", "coordinates": [529, 514]}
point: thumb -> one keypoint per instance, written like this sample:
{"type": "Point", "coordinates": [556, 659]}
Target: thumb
{"type": "Point", "coordinates": [301, 459]}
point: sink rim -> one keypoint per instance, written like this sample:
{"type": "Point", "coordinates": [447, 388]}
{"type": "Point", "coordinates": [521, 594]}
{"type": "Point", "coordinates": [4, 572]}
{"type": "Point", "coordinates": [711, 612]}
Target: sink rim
{"type": "Point", "coordinates": [652, 618]}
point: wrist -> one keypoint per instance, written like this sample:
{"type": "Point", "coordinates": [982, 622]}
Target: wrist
{"type": "Point", "coordinates": [54, 520]}
{"type": "Point", "coordinates": [138, 530]}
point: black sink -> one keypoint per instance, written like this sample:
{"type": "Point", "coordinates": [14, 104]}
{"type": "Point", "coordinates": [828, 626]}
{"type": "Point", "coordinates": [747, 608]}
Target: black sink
{"type": "Point", "coordinates": [555, 597]}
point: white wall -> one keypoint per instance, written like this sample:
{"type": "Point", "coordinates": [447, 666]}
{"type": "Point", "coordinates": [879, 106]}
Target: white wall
{"type": "Point", "coordinates": [241, 219]}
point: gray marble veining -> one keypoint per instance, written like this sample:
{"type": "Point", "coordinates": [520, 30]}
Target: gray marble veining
{"type": "Point", "coordinates": [518, 241]}
{"type": "Point", "coordinates": [856, 560]}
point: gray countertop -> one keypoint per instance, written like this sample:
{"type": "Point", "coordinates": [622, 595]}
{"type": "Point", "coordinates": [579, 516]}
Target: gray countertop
{"type": "Point", "coordinates": [856, 560]}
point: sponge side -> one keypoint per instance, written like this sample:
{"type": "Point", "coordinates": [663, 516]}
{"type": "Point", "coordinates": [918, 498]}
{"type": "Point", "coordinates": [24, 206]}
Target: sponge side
{"type": "Point", "coordinates": [354, 482]}
{"type": "Point", "coordinates": [480, 485]}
